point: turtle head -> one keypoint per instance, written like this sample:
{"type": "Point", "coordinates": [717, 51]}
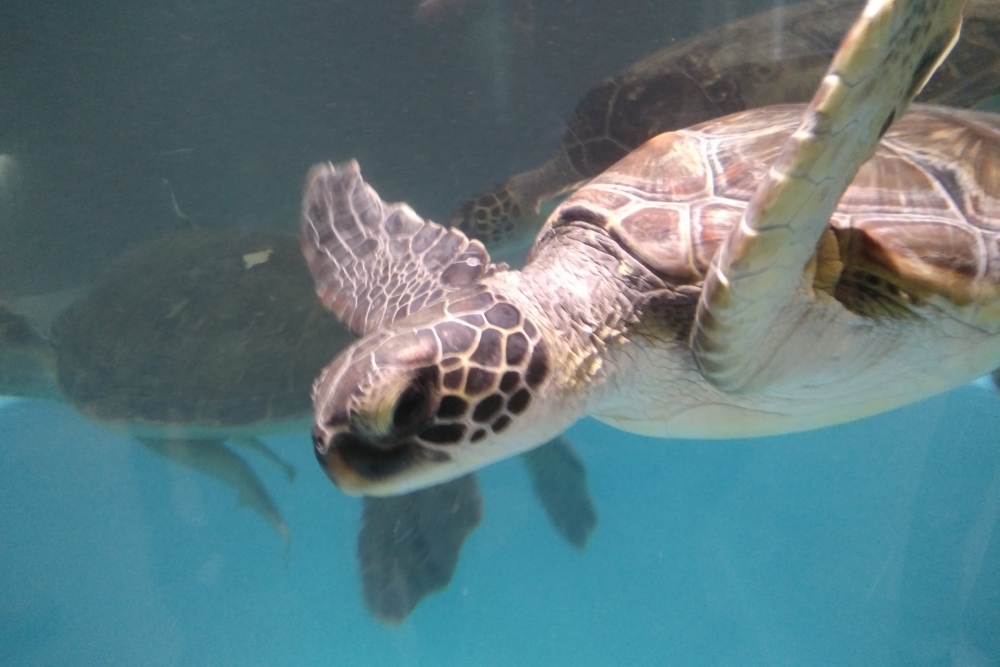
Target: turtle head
{"type": "Point", "coordinates": [501, 218]}
{"type": "Point", "coordinates": [432, 398]}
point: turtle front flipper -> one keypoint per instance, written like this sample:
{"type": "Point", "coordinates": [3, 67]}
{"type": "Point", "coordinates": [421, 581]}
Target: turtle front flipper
{"type": "Point", "coordinates": [885, 60]}
{"type": "Point", "coordinates": [374, 262]}
{"type": "Point", "coordinates": [408, 545]}
{"type": "Point", "coordinates": [559, 481]}
{"type": "Point", "coordinates": [213, 458]}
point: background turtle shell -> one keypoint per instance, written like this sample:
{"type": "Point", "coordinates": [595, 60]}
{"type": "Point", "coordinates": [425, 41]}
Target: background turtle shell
{"type": "Point", "coordinates": [208, 329]}
{"type": "Point", "coordinates": [774, 57]}
{"type": "Point", "coordinates": [732, 69]}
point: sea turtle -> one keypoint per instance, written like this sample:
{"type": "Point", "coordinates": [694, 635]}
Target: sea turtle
{"type": "Point", "coordinates": [203, 338]}
{"type": "Point", "coordinates": [706, 286]}
{"type": "Point", "coordinates": [774, 57]}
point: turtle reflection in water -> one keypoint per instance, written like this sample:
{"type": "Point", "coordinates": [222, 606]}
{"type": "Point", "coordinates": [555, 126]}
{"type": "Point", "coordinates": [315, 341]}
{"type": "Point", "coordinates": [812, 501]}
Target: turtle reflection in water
{"type": "Point", "coordinates": [775, 57]}
{"type": "Point", "coordinates": [205, 338]}
{"type": "Point", "coordinates": [773, 271]}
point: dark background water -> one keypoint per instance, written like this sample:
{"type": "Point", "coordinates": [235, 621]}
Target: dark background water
{"type": "Point", "coordinates": [232, 101]}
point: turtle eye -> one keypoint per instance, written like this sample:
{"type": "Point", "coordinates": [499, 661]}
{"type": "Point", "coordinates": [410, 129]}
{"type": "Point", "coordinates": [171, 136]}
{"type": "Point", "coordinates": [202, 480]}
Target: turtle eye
{"type": "Point", "coordinates": [396, 407]}
{"type": "Point", "coordinates": [411, 408]}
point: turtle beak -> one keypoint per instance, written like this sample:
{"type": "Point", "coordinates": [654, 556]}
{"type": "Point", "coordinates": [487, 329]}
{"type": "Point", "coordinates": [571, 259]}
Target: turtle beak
{"type": "Point", "coordinates": [341, 474]}
{"type": "Point", "coordinates": [361, 468]}
{"type": "Point", "coordinates": [333, 463]}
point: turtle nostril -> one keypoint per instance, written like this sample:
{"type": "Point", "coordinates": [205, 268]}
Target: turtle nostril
{"type": "Point", "coordinates": [319, 440]}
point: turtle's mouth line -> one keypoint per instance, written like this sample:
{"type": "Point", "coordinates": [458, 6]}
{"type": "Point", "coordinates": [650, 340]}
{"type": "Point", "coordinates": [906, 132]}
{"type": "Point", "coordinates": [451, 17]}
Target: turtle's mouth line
{"type": "Point", "coordinates": [332, 461]}
{"type": "Point", "coordinates": [341, 474]}
{"type": "Point", "coordinates": [359, 467]}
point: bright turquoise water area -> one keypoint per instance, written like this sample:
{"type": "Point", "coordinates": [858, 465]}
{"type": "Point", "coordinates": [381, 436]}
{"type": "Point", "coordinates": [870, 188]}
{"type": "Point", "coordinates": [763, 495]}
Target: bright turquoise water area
{"type": "Point", "coordinates": [872, 543]}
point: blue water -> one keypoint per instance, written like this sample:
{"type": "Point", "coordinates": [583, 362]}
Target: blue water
{"type": "Point", "coordinates": [867, 544]}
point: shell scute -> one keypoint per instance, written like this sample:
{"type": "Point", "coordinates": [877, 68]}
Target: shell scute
{"type": "Point", "coordinates": [739, 165]}
{"type": "Point", "coordinates": [658, 238]}
{"type": "Point", "coordinates": [923, 256]}
{"type": "Point", "coordinates": [923, 216]}
{"type": "Point", "coordinates": [713, 219]}
{"type": "Point", "coordinates": [891, 183]}
{"type": "Point", "coordinates": [670, 167]}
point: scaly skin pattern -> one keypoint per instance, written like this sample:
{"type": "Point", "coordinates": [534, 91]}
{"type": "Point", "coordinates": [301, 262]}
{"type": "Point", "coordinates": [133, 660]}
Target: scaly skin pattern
{"type": "Point", "coordinates": [512, 360]}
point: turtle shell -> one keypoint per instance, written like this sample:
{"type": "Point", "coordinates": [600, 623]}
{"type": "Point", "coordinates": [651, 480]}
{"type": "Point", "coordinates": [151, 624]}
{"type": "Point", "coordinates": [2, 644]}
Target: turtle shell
{"type": "Point", "coordinates": [775, 57]}
{"type": "Point", "coordinates": [201, 329]}
{"type": "Point", "coordinates": [920, 222]}
{"type": "Point", "coordinates": [706, 77]}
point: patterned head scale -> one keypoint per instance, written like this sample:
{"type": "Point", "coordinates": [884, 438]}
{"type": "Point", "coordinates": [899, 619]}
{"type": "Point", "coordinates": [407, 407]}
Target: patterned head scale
{"type": "Point", "coordinates": [445, 366]}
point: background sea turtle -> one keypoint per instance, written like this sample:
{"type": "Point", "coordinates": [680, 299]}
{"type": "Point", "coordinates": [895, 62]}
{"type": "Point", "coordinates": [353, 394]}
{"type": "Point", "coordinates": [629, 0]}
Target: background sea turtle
{"type": "Point", "coordinates": [204, 338]}
{"type": "Point", "coordinates": [706, 286]}
{"type": "Point", "coordinates": [774, 57]}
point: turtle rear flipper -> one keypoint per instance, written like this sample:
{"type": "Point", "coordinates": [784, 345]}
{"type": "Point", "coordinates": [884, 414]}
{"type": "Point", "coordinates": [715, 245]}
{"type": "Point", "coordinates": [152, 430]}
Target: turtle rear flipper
{"type": "Point", "coordinates": [885, 60]}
